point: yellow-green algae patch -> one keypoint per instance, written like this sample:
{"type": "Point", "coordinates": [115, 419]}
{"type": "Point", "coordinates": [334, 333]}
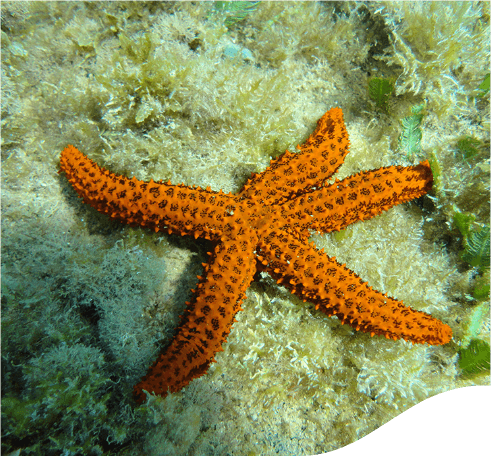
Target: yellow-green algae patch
{"type": "Point", "coordinates": [153, 90]}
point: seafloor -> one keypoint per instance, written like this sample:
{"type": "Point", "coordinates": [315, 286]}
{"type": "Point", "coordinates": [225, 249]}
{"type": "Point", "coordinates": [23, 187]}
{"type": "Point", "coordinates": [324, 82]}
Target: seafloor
{"type": "Point", "coordinates": [205, 94]}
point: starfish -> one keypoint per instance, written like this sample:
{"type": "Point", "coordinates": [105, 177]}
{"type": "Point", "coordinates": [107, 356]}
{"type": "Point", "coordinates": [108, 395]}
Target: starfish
{"type": "Point", "coordinates": [265, 227]}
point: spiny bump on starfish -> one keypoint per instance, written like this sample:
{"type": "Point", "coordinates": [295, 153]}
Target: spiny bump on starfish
{"type": "Point", "coordinates": [319, 158]}
{"type": "Point", "coordinates": [336, 290]}
{"type": "Point", "coordinates": [270, 220]}
{"type": "Point", "coordinates": [193, 349]}
{"type": "Point", "coordinates": [391, 185]}
{"type": "Point", "coordinates": [175, 208]}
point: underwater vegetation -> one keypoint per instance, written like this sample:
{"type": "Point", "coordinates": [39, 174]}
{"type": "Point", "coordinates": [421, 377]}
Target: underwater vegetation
{"type": "Point", "coordinates": [82, 335]}
{"type": "Point", "coordinates": [411, 135]}
{"type": "Point", "coordinates": [165, 90]}
{"type": "Point", "coordinates": [474, 358]}
{"type": "Point", "coordinates": [234, 12]}
{"type": "Point", "coordinates": [379, 90]}
{"type": "Point", "coordinates": [477, 248]}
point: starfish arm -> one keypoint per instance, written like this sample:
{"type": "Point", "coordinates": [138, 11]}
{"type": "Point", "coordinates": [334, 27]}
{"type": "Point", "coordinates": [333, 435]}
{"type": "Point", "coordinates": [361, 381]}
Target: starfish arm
{"type": "Point", "coordinates": [319, 158]}
{"type": "Point", "coordinates": [175, 208]}
{"type": "Point", "coordinates": [357, 198]}
{"type": "Point", "coordinates": [336, 290]}
{"type": "Point", "coordinates": [207, 320]}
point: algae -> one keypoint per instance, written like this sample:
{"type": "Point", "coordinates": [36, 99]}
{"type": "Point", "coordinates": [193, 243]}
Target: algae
{"type": "Point", "coordinates": [147, 89]}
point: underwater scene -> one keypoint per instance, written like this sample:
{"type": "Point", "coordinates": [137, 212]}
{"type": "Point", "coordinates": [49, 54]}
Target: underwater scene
{"type": "Point", "coordinates": [208, 96]}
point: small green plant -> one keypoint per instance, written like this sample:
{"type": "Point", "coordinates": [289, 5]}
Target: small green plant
{"type": "Point", "coordinates": [410, 138]}
{"type": "Point", "coordinates": [481, 288]}
{"type": "Point", "coordinates": [436, 169]}
{"type": "Point", "coordinates": [477, 248]}
{"type": "Point", "coordinates": [463, 221]}
{"type": "Point", "coordinates": [484, 86]}
{"type": "Point", "coordinates": [66, 404]}
{"type": "Point", "coordinates": [379, 90]}
{"type": "Point", "coordinates": [469, 147]}
{"type": "Point", "coordinates": [474, 359]}
{"type": "Point", "coordinates": [234, 11]}
{"type": "Point", "coordinates": [476, 251]}
{"type": "Point", "coordinates": [474, 323]}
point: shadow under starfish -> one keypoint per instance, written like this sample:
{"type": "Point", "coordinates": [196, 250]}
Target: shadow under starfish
{"type": "Point", "coordinates": [265, 227]}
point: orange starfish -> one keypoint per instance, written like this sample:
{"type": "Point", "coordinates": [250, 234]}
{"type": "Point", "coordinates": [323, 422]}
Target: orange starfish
{"type": "Point", "coordinates": [265, 226]}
